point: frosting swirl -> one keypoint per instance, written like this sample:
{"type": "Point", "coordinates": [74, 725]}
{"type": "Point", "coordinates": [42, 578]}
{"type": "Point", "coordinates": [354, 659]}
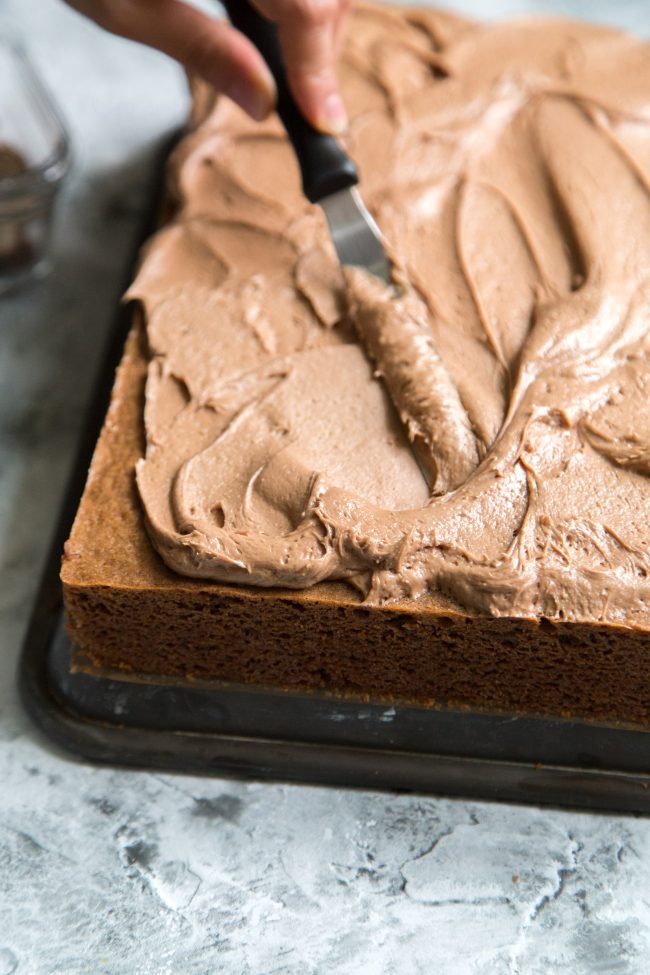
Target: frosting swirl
{"type": "Point", "coordinates": [509, 168]}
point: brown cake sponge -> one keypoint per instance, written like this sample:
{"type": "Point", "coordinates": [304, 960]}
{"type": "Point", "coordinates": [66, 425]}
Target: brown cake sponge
{"type": "Point", "coordinates": [129, 615]}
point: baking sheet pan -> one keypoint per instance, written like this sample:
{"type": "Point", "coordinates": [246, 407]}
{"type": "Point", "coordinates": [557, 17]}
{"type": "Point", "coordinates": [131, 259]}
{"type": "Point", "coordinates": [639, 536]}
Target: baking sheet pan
{"type": "Point", "coordinates": [318, 738]}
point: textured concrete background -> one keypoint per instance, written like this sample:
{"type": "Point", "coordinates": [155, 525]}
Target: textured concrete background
{"type": "Point", "coordinates": [106, 871]}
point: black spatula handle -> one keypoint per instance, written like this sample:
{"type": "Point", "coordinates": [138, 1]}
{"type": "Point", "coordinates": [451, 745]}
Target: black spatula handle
{"type": "Point", "coordinates": [324, 166]}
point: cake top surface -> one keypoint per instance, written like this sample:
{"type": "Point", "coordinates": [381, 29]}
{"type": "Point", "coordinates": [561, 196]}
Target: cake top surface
{"type": "Point", "coordinates": [481, 429]}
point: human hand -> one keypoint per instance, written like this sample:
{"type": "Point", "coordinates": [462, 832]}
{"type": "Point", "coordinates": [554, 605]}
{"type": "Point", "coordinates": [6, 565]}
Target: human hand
{"type": "Point", "coordinates": [308, 30]}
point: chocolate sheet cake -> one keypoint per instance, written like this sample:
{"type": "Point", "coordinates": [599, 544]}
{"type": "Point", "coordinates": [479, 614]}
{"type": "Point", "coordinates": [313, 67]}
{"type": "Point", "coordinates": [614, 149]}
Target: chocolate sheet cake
{"type": "Point", "coordinates": [436, 491]}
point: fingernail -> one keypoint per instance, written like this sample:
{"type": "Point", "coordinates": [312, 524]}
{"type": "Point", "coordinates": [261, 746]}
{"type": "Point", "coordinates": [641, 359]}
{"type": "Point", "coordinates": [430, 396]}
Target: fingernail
{"type": "Point", "coordinates": [334, 118]}
{"type": "Point", "coordinates": [256, 97]}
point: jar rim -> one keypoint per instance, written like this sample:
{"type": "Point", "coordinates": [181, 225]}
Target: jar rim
{"type": "Point", "coordinates": [51, 170]}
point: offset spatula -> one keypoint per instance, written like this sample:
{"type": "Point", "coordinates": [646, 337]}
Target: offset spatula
{"type": "Point", "coordinates": [329, 177]}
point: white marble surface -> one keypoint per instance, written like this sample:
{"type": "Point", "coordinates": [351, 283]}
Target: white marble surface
{"type": "Point", "coordinates": [111, 871]}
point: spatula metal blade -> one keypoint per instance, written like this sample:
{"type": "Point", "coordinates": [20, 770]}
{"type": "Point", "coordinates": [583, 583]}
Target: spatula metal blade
{"type": "Point", "coordinates": [355, 234]}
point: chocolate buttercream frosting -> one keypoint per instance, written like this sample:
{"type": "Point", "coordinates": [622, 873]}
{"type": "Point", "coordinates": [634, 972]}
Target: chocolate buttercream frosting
{"type": "Point", "coordinates": [482, 426]}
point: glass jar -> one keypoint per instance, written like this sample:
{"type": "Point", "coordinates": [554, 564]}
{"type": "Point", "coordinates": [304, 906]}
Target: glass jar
{"type": "Point", "coordinates": [34, 158]}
